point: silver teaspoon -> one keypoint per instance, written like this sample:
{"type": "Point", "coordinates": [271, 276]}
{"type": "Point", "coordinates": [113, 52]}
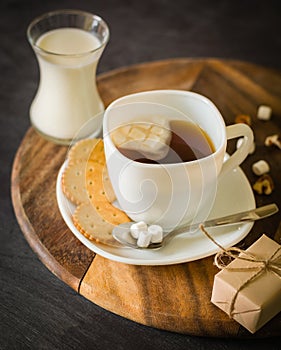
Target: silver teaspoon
{"type": "Point", "coordinates": [122, 232]}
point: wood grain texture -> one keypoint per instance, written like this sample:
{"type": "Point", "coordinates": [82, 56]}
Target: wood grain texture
{"type": "Point", "coordinates": [175, 298]}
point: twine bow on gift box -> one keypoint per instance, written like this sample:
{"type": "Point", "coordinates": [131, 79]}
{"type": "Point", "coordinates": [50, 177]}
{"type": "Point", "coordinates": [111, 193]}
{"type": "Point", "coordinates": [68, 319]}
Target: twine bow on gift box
{"type": "Point", "coordinates": [272, 264]}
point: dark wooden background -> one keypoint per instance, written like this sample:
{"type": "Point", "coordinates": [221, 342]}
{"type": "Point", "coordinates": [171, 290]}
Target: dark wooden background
{"type": "Point", "coordinates": [37, 310]}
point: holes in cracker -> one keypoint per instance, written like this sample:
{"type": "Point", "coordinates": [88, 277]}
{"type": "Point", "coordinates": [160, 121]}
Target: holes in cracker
{"type": "Point", "coordinates": [97, 188]}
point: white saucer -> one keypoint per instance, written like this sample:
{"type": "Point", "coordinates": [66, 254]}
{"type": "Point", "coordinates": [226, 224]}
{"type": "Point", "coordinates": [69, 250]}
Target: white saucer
{"type": "Point", "coordinates": [234, 194]}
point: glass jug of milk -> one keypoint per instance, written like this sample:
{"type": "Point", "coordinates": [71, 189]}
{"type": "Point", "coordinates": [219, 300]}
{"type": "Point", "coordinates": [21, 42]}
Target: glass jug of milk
{"type": "Point", "coordinates": [68, 45]}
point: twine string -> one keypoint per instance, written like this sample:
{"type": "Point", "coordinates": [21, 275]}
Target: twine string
{"type": "Point", "coordinates": [270, 264]}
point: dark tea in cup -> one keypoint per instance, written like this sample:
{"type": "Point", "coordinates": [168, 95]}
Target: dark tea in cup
{"type": "Point", "coordinates": [187, 142]}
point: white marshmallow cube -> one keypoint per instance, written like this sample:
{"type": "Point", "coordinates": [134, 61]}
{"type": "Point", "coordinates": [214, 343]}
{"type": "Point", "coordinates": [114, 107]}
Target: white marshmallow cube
{"type": "Point", "coordinates": [137, 227]}
{"type": "Point", "coordinates": [144, 239]}
{"type": "Point", "coordinates": [264, 112]}
{"type": "Point", "coordinates": [150, 138]}
{"type": "Point", "coordinates": [261, 167]}
{"type": "Point", "coordinates": [156, 233]}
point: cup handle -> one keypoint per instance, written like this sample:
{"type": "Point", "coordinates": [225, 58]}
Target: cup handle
{"type": "Point", "coordinates": [233, 131]}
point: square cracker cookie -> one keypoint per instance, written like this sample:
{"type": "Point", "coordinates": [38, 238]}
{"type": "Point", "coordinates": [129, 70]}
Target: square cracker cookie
{"type": "Point", "coordinates": [85, 149]}
{"type": "Point", "coordinates": [75, 179]}
{"type": "Point", "coordinates": [88, 222]}
{"type": "Point", "coordinates": [86, 183]}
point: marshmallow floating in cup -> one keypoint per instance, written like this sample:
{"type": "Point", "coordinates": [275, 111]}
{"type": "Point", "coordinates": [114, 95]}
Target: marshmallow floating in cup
{"type": "Point", "coordinates": [151, 138]}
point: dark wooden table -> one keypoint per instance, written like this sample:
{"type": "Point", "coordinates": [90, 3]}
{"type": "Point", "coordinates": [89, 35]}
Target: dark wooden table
{"type": "Point", "coordinates": [37, 309]}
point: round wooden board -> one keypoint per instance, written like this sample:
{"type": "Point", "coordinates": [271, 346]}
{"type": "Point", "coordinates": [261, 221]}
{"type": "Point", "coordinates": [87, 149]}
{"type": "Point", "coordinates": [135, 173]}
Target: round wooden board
{"type": "Point", "coordinates": [175, 297]}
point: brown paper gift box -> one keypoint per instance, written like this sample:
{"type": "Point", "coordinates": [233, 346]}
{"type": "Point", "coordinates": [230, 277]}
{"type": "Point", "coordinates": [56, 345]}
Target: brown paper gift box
{"type": "Point", "coordinates": [247, 291]}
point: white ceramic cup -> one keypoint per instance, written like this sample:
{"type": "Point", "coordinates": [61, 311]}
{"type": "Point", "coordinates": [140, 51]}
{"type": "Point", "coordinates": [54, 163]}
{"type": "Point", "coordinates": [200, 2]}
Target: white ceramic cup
{"type": "Point", "coordinates": [171, 194]}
